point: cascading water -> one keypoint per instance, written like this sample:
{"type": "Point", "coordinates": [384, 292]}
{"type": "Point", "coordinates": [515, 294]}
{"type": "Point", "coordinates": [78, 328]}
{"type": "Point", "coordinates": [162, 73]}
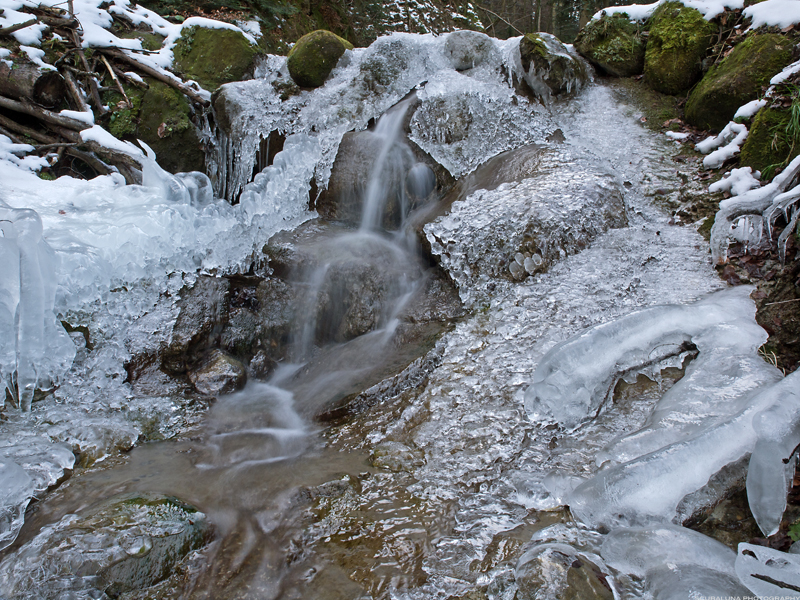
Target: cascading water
{"type": "Point", "coordinates": [368, 466]}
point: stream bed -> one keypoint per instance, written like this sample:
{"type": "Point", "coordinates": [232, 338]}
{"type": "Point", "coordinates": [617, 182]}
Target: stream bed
{"type": "Point", "coordinates": [432, 481]}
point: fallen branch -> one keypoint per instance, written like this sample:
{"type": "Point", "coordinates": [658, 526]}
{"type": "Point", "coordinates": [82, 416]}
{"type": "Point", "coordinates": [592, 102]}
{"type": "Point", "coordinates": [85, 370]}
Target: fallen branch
{"type": "Point", "coordinates": [12, 28]}
{"type": "Point", "coordinates": [114, 77]}
{"type": "Point", "coordinates": [42, 114]}
{"type": "Point", "coordinates": [491, 12]}
{"type": "Point", "coordinates": [75, 92]}
{"type": "Point", "coordinates": [156, 74]}
{"type": "Point", "coordinates": [21, 129]}
{"type": "Point", "coordinates": [93, 91]}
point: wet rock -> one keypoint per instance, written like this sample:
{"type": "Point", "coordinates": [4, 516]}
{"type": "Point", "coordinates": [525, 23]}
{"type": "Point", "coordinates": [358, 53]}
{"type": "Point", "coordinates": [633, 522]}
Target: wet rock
{"type": "Point", "coordinates": [558, 571]}
{"type": "Point", "coordinates": [613, 44]}
{"type": "Point", "coordinates": [219, 374]}
{"type": "Point", "coordinates": [212, 57]}
{"type": "Point", "coordinates": [350, 175]}
{"type": "Point", "coordinates": [126, 543]}
{"type": "Point", "coordinates": [203, 312]}
{"type": "Point", "coordinates": [468, 49]}
{"type": "Point", "coordinates": [679, 40]}
{"type": "Point", "coordinates": [314, 56]}
{"type": "Point", "coordinates": [396, 457]}
{"type": "Point", "coordinates": [261, 365]}
{"type": "Point", "coordinates": [737, 80]}
{"type": "Point", "coordinates": [550, 68]}
{"type": "Point", "coordinates": [763, 148]}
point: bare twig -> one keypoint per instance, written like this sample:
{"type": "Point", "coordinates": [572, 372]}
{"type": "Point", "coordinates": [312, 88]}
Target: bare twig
{"type": "Point", "coordinates": [130, 80]}
{"type": "Point", "coordinates": [10, 135]}
{"type": "Point", "coordinates": [156, 74]}
{"type": "Point", "coordinates": [782, 302]}
{"type": "Point", "coordinates": [114, 77]}
{"type": "Point", "coordinates": [12, 28]}
{"type": "Point", "coordinates": [491, 12]}
{"type": "Point", "coordinates": [94, 93]}
{"type": "Point", "coordinates": [55, 146]}
{"type": "Point", "coordinates": [72, 86]}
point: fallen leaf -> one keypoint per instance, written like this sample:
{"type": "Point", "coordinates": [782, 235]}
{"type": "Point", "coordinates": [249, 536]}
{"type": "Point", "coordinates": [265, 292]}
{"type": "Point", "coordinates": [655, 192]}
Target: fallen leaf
{"type": "Point", "coordinates": [162, 130]}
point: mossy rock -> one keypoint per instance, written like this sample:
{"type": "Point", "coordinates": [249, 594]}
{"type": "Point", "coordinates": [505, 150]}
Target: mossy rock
{"type": "Point", "coordinates": [314, 56]}
{"type": "Point", "coordinates": [768, 144]}
{"type": "Point", "coordinates": [613, 44]}
{"type": "Point", "coordinates": [679, 40]}
{"type": "Point", "coordinates": [214, 56]}
{"type": "Point", "coordinates": [549, 67]}
{"type": "Point", "coordinates": [737, 80]}
{"type": "Point", "coordinates": [165, 125]}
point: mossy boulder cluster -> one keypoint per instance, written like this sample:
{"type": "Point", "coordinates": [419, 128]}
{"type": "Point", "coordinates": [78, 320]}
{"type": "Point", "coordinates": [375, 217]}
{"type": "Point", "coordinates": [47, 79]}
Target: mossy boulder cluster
{"type": "Point", "coordinates": [679, 40]}
{"type": "Point", "coordinates": [614, 44]}
{"type": "Point", "coordinates": [737, 79]}
{"type": "Point", "coordinates": [314, 56]}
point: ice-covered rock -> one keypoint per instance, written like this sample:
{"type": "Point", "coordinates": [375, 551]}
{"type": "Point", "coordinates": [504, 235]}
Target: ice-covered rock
{"type": "Point", "coordinates": [124, 544]}
{"type": "Point", "coordinates": [767, 572]}
{"type": "Point", "coordinates": [576, 377]}
{"type": "Point", "coordinates": [549, 67]}
{"type": "Point", "coordinates": [469, 49]}
{"type": "Point", "coordinates": [17, 489]}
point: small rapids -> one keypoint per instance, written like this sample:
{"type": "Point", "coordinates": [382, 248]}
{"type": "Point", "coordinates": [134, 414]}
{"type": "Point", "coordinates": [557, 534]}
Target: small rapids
{"type": "Point", "coordinates": [391, 457]}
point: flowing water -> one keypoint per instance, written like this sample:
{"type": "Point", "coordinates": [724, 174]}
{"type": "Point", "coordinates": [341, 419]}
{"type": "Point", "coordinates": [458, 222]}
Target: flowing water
{"type": "Point", "coordinates": [389, 457]}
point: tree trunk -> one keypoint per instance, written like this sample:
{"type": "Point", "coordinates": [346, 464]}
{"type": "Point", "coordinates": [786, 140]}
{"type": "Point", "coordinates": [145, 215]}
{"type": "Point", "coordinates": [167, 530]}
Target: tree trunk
{"type": "Point", "coordinates": [26, 81]}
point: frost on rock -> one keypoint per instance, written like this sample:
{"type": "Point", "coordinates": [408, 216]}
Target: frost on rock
{"type": "Point", "coordinates": [521, 228]}
{"type": "Point", "coordinates": [675, 563]}
{"type": "Point", "coordinates": [767, 572]}
{"type": "Point", "coordinates": [15, 493]}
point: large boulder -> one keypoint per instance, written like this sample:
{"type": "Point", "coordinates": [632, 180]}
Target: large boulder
{"type": "Point", "coordinates": [314, 56]}
{"type": "Point", "coordinates": [613, 44]}
{"type": "Point", "coordinates": [212, 57]}
{"type": "Point", "coordinates": [769, 145]}
{"type": "Point", "coordinates": [127, 543]}
{"type": "Point", "coordinates": [549, 67]}
{"type": "Point", "coordinates": [468, 49]}
{"type": "Point", "coordinates": [737, 80]}
{"type": "Point", "coordinates": [679, 41]}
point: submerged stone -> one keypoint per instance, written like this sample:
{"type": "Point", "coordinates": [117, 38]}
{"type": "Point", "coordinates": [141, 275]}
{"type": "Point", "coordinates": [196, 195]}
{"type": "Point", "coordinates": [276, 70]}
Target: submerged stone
{"type": "Point", "coordinates": [219, 374]}
{"type": "Point", "coordinates": [614, 44]}
{"type": "Point", "coordinates": [737, 80]}
{"type": "Point", "coordinates": [550, 68]}
{"type": "Point", "coordinates": [212, 57]}
{"type": "Point", "coordinates": [314, 56]}
{"type": "Point", "coordinates": [127, 543]}
{"type": "Point", "coordinates": [679, 40]}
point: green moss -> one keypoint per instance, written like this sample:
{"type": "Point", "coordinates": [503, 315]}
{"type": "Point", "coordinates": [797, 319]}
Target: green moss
{"type": "Point", "coordinates": [150, 41]}
{"type": "Point", "coordinates": [165, 125]}
{"type": "Point", "coordinates": [737, 80]}
{"type": "Point", "coordinates": [613, 44]}
{"type": "Point", "coordinates": [679, 40]}
{"type": "Point", "coordinates": [768, 145]}
{"type": "Point", "coordinates": [214, 56]}
{"type": "Point", "coordinates": [314, 56]}
{"type": "Point", "coordinates": [549, 58]}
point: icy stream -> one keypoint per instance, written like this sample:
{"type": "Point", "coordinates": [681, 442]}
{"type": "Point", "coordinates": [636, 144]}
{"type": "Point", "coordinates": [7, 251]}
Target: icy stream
{"type": "Point", "coordinates": [450, 479]}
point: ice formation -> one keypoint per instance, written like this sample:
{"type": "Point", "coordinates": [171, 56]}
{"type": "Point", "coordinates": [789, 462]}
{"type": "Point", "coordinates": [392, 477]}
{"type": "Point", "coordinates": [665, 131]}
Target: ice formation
{"type": "Point", "coordinates": [675, 562]}
{"type": "Point", "coordinates": [35, 351]}
{"type": "Point", "coordinates": [767, 572]}
{"type": "Point", "coordinates": [773, 460]}
{"type": "Point", "coordinates": [704, 423]}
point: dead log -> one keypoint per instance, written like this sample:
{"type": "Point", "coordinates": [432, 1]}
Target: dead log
{"type": "Point", "coordinates": [77, 97]}
{"type": "Point", "coordinates": [12, 28]}
{"type": "Point", "coordinates": [42, 114]}
{"type": "Point", "coordinates": [25, 80]}
{"type": "Point", "coordinates": [31, 133]}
